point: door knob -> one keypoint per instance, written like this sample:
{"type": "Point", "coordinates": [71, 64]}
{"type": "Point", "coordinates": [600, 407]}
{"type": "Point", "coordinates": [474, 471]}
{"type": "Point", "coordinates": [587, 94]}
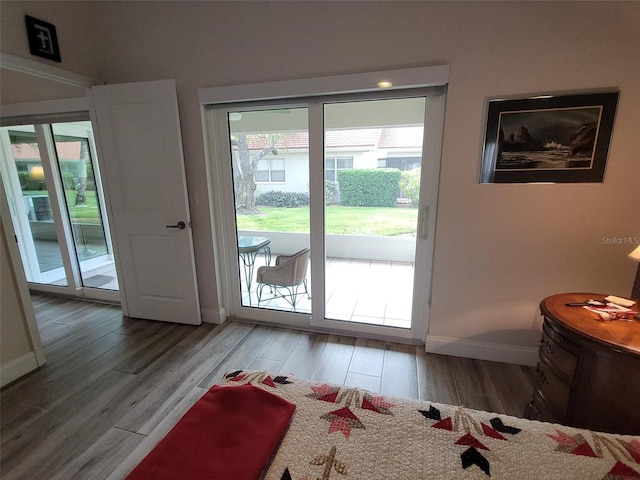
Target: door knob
{"type": "Point", "coordinates": [181, 225]}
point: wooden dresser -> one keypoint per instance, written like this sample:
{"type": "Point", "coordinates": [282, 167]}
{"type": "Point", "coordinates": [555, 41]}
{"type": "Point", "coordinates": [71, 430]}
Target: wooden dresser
{"type": "Point", "coordinates": [588, 371]}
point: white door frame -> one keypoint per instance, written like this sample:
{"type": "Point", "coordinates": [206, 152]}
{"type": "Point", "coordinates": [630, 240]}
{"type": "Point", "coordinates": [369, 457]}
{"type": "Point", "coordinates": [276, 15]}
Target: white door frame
{"type": "Point", "coordinates": [427, 208]}
{"type": "Point", "coordinates": [215, 103]}
{"type": "Point", "coordinates": [224, 233]}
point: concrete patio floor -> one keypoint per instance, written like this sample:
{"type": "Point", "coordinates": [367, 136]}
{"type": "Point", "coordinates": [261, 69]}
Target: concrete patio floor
{"type": "Point", "coordinates": [364, 291]}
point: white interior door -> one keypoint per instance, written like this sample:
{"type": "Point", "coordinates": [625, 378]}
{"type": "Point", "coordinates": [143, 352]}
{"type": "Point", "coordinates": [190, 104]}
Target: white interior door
{"type": "Point", "coordinates": [138, 133]}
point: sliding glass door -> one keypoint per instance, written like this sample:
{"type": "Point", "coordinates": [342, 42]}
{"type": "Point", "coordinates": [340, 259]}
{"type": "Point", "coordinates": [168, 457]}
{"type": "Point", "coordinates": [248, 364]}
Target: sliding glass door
{"type": "Point", "coordinates": [269, 159]}
{"type": "Point", "coordinates": [373, 159]}
{"type": "Point", "coordinates": [55, 196]}
{"type": "Point", "coordinates": [324, 211]}
{"type": "Point", "coordinates": [28, 195]}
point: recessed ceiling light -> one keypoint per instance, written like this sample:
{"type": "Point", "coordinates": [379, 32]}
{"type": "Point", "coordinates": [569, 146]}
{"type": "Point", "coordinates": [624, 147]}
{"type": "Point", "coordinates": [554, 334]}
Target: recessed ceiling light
{"type": "Point", "coordinates": [385, 84]}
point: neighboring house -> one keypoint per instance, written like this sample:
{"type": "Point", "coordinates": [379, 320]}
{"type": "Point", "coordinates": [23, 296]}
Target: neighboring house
{"type": "Point", "coordinates": [27, 155]}
{"type": "Point", "coordinates": [288, 169]}
{"type": "Point", "coordinates": [29, 167]}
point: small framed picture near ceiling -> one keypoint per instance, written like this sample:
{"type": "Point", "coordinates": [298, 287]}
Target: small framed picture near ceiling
{"type": "Point", "coordinates": [43, 40]}
{"type": "Point", "coordinates": [555, 138]}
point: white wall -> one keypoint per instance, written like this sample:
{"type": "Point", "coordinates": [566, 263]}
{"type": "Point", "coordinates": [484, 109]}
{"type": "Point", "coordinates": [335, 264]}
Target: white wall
{"type": "Point", "coordinates": [499, 248]}
{"type": "Point", "coordinates": [20, 347]}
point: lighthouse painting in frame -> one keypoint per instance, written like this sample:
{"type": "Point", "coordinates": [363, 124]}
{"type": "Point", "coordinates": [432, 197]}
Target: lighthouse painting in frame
{"type": "Point", "coordinates": [548, 138]}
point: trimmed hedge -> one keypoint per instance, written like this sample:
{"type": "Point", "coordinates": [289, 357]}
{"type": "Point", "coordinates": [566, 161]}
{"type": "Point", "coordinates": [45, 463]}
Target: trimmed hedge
{"type": "Point", "coordinates": [283, 199]}
{"type": "Point", "coordinates": [369, 187]}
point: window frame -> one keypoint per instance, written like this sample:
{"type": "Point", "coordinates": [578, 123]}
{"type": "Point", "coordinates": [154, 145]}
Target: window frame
{"type": "Point", "coordinates": [336, 168]}
{"type": "Point", "coordinates": [270, 171]}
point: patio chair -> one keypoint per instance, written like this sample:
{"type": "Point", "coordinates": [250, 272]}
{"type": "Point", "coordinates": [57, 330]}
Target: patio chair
{"type": "Point", "coordinates": [285, 278]}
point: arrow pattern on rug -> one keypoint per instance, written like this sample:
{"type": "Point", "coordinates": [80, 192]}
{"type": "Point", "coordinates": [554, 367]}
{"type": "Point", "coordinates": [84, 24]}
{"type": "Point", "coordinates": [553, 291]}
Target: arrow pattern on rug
{"type": "Point", "coordinates": [497, 425]}
{"type": "Point", "coordinates": [342, 420]}
{"type": "Point", "coordinates": [633, 447]}
{"type": "Point", "coordinates": [471, 456]}
{"type": "Point", "coordinates": [446, 424]}
{"type": "Point", "coordinates": [620, 471]}
{"type": "Point", "coordinates": [286, 475]}
{"type": "Point", "coordinates": [490, 432]}
{"type": "Point", "coordinates": [324, 393]}
{"type": "Point", "coordinates": [471, 441]}
{"type": "Point", "coordinates": [258, 377]}
{"type": "Point", "coordinates": [464, 422]}
{"type": "Point", "coordinates": [271, 382]}
{"type": "Point", "coordinates": [329, 461]}
{"type": "Point", "coordinates": [233, 375]}
{"type": "Point", "coordinates": [433, 413]}
{"type": "Point", "coordinates": [575, 444]}
{"type": "Point", "coordinates": [376, 404]}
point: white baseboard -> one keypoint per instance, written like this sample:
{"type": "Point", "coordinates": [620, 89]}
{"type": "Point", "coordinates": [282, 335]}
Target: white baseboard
{"type": "Point", "coordinates": [211, 315]}
{"type": "Point", "coordinates": [482, 351]}
{"type": "Point", "coordinates": [18, 367]}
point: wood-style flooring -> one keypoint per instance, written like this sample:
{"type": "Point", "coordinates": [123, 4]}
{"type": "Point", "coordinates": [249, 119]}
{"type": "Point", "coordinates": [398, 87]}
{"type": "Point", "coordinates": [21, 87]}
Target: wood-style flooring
{"type": "Point", "coordinates": [113, 386]}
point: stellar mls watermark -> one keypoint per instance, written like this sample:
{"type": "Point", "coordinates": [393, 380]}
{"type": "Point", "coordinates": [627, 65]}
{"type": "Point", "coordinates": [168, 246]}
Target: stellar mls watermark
{"type": "Point", "coordinates": [621, 240]}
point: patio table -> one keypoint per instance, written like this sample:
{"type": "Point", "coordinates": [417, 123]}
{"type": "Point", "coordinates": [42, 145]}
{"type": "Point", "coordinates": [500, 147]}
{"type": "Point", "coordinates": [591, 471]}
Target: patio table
{"type": "Point", "coordinates": [248, 249]}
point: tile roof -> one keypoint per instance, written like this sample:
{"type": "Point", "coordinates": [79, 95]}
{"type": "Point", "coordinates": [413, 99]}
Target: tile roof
{"type": "Point", "coordinates": [387, 138]}
{"type": "Point", "coordinates": [29, 151]}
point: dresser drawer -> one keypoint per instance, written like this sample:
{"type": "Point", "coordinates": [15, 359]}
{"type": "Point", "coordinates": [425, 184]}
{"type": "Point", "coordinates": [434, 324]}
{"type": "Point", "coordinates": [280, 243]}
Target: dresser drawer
{"type": "Point", "coordinates": [553, 389]}
{"type": "Point", "coordinates": [537, 410]}
{"type": "Point", "coordinates": [588, 371]}
{"type": "Point", "coordinates": [554, 352]}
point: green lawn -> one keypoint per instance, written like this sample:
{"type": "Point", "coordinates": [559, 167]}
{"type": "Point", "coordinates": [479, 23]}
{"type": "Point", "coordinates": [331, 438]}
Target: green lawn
{"type": "Point", "coordinates": [386, 222]}
{"type": "Point", "coordinates": [88, 214]}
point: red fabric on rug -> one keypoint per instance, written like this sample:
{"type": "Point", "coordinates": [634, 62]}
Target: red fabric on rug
{"type": "Point", "coordinates": [230, 433]}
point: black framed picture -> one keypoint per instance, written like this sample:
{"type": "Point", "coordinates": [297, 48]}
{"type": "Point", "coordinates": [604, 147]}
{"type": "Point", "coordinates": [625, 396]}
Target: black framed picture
{"type": "Point", "coordinates": [555, 138]}
{"type": "Point", "coordinates": [43, 41]}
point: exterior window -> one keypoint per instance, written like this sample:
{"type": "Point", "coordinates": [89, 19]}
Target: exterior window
{"type": "Point", "coordinates": [402, 163]}
{"type": "Point", "coordinates": [333, 164]}
{"type": "Point", "coordinates": [270, 170]}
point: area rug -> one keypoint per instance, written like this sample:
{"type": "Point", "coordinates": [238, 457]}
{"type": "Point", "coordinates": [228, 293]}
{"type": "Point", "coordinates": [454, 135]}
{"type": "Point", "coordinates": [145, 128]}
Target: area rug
{"type": "Point", "coordinates": [347, 433]}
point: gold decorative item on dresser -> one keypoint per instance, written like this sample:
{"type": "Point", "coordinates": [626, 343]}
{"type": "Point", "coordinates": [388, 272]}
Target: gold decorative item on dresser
{"type": "Point", "coordinates": [588, 371]}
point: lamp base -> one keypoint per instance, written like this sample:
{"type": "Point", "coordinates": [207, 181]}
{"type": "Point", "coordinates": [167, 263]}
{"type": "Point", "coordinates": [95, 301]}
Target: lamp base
{"type": "Point", "coordinates": [635, 293]}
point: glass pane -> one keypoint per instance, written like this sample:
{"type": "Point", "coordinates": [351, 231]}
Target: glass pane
{"type": "Point", "coordinates": [34, 223]}
{"type": "Point", "coordinates": [262, 176]}
{"type": "Point", "coordinates": [345, 163]}
{"type": "Point", "coordinates": [263, 165]}
{"type": "Point", "coordinates": [272, 221]}
{"type": "Point", "coordinates": [371, 217]}
{"type": "Point", "coordinates": [277, 176]}
{"type": "Point", "coordinates": [76, 163]}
